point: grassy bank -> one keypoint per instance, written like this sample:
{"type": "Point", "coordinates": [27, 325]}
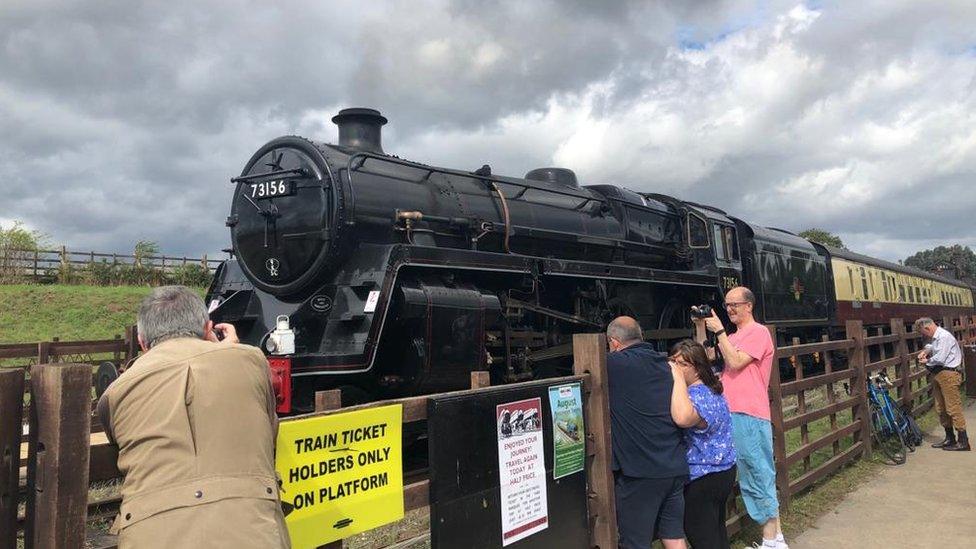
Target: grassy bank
{"type": "Point", "coordinates": [31, 313]}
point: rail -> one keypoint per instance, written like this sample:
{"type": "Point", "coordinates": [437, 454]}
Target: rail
{"type": "Point", "coordinates": [42, 264]}
{"type": "Point", "coordinates": [817, 427]}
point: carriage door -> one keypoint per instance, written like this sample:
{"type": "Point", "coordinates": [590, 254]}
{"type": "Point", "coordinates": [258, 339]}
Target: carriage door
{"type": "Point", "coordinates": [727, 257]}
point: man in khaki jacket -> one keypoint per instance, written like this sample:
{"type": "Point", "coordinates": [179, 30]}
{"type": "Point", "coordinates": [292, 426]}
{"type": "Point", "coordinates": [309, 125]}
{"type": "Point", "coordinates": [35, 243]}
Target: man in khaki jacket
{"type": "Point", "coordinates": [194, 422]}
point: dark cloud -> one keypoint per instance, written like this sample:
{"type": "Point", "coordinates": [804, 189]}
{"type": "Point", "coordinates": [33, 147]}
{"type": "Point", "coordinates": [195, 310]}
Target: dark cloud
{"type": "Point", "coordinates": [125, 120]}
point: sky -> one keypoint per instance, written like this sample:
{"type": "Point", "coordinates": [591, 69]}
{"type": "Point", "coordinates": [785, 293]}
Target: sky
{"type": "Point", "coordinates": [123, 121]}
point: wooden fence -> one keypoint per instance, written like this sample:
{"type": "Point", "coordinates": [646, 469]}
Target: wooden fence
{"type": "Point", "coordinates": [119, 349]}
{"type": "Point", "coordinates": [817, 429]}
{"type": "Point", "coordinates": [49, 264]}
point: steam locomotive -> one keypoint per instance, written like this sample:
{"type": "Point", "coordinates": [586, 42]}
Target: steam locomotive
{"type": "Point", "coordinates": [359, 270]}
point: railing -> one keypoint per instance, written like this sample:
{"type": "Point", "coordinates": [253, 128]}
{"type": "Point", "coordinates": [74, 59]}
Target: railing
{"type": "Point", "coordinates": [40, 265]}
{"type": "Point", "coordinates": [817, 426]}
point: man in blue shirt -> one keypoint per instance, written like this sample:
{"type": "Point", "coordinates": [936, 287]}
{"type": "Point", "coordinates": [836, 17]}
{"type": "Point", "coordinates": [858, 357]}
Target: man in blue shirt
{"type": "Point", "coordinates": [650, 469]}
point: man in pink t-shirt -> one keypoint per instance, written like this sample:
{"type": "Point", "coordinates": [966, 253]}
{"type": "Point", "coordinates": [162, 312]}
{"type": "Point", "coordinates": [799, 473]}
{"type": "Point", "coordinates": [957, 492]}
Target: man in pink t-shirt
{"type": "Point", "coordinates": [748, 355]}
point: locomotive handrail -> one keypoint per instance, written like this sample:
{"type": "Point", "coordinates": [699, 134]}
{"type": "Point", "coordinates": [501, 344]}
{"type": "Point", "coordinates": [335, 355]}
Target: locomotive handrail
{"type": "Point", "coordinates": [364, 156]}
{"type": "Point", "coordinates": [293, 171]}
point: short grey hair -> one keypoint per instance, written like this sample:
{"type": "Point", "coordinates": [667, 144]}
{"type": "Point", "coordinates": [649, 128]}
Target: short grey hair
{"type": "Point", "coordinates": [924, 321]}
{"type": "Point", "coordinates": [169, 312]}
{"type": "Point", "coordinates": [625, 330]}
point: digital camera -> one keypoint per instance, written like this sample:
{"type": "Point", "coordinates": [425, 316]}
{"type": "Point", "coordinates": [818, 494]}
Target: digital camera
{"type": "Point", "coordinates": [701, 311]}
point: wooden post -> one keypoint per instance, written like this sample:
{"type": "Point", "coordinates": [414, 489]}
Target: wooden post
{"type": "Point", "coordinates": [131, 343]}
{"type": "Point", "coordinates": [480, 380]}
{"type": "Point", "coordinates": [57, 467]}
{"type": "Point", "coordinates": [801, 403]}
{"type": "Point", "coordinates": [325, 401]}
{"type": "Point", "coordinates": [590, 357]}
{"type": "Point", "coordinates": [11, 429]}
{"type": "Point", "coordinates": [43, 352]}
{"type": "Point", "coordinates": [328, 400]}
{"type": "Point", "coordinates": [779, 429]}
{"type": "Point", "coordinates": [831, 396]}
{"type": "Point", "coordinates": [64, 265]}
{"type": "Point", "coordinates": [904, 365]}
{"type": "Point", "coordinates": [861, 410]}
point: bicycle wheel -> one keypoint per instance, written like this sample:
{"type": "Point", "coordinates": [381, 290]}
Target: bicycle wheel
{"type": "Point", "coordinates": [904, 429]}
{"type": "Point", "coordinates": [913, 429]}
{"type": "Point", "coordinates": [885, 437]}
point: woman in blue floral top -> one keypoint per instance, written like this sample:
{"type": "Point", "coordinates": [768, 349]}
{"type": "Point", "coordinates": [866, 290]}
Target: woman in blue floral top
{"type": "Point", "coordinates": [697, 405]}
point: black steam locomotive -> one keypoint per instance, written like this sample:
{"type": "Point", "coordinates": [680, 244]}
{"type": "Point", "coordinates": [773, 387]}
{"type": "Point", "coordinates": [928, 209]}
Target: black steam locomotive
{"type": "Point", "coordinates": [358, 270]}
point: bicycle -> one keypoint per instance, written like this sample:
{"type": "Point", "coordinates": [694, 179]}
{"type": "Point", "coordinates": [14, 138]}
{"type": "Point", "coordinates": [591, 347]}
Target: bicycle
{"type": "Point", "coordinates": [892, 429]}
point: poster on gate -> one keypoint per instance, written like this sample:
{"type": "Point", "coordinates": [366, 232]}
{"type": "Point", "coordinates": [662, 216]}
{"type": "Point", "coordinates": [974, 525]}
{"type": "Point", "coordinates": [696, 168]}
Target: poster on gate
{"type": "Point", "coordinates": [521, 469]}
{"type": "Point", "coordinates": [568, 433]}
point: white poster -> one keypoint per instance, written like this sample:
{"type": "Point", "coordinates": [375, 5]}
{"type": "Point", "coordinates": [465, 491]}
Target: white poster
{"type": "Point", "coordinates": [521, 469]}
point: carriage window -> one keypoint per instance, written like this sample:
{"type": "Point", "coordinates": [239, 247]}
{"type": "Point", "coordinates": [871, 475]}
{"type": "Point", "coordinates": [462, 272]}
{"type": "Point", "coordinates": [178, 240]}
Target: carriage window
{"type": "Point", "coordinates": [697, 232]}
{"type": "Point", "coordinates": [918, 295]}
{"type": "Point", "coordinates": [864, 285]}
{"type": "Point", "coordinates": [901, 292]}
{"type": "Point", "coordinates": [884, 284]}
{"type": "Point", "coordinates": [721, 252]}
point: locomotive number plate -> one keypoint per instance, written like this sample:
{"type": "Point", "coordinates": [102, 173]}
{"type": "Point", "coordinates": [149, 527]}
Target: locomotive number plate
{"type": "Point", "coordinates": [272, 189]}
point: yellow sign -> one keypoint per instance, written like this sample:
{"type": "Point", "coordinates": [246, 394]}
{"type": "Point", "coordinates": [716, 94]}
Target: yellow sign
{"type": "Point", "coordinates": [342, 474]}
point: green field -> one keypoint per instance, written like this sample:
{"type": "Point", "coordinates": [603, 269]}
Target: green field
{"type": "Point", "coordinates": [30, 313]}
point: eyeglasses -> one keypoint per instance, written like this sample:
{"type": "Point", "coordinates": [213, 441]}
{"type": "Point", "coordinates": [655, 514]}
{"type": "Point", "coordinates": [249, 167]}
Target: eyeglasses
{"type": "Point", "coordinates": [734, 304]}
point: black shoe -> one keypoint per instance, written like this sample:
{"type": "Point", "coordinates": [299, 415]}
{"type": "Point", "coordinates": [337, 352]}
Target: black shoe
{"type": "Point", "coordinates": [950, 439]}
{"type": "Point", "coordinates": [961, 446]}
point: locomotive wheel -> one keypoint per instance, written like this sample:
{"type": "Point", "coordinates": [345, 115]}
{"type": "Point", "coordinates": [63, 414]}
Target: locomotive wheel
{"type": "Point", "coordinates": [104, 376]}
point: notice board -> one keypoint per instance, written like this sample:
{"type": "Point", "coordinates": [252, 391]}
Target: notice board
{"type": "Point", "coordinates": [468, 433]}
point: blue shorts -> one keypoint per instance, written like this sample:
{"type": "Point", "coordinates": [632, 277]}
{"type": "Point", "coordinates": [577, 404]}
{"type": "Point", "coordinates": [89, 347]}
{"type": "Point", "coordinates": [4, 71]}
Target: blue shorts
{"type": "Point", "coordinates": [753, 439]}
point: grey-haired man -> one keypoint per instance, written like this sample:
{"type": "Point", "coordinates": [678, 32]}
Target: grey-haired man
{"type": "Point", "coordinates": [194, 422]}
{"type": "Point", "coordinates": [943, 359]}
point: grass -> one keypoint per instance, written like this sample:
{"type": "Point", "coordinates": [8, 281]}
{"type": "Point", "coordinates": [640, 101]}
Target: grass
{"type": "Point", "coordinates": [32, 313]}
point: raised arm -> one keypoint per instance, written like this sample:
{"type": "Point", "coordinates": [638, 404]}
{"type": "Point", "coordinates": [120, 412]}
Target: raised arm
{"type": "Point", "coordinates": [682, 410]}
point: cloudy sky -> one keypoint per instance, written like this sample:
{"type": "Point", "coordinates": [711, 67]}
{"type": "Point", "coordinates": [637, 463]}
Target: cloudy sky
{"type": "Point", "coordinates": [124, 120]}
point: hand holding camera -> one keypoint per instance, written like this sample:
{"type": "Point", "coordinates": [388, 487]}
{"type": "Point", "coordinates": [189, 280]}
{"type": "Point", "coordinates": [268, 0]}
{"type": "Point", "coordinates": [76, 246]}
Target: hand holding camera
{"type": "Point", "coordinates": [705, 313]}
{"type": "Point", "coordinates": [224, 333]}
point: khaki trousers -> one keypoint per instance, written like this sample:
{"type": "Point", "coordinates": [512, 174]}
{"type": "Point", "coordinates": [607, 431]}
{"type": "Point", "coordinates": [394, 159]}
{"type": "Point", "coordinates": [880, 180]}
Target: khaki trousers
{"type": "Point", "coordinates": [945, 389]}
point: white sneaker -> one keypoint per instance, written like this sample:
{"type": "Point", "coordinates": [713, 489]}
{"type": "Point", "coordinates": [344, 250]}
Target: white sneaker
{"type": "Point", "coordinates": [781, 545]}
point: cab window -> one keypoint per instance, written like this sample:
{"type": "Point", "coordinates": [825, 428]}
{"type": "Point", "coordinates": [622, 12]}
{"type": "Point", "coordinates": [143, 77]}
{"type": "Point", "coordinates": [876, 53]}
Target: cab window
{"type": "Point", "coordinates": [697, 231]}
{"type": "Point", "coordinates": [721, 251]}
{"type": "Point", "coordinates": [730, 243]}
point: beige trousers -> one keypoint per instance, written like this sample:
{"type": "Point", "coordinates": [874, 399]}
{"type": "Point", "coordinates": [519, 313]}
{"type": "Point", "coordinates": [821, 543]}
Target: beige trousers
{"type": "Point", "coordinates": [948, 403]}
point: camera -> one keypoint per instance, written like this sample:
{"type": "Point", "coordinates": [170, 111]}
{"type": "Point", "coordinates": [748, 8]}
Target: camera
{"type": "Point", "coordinates": [701, 311]}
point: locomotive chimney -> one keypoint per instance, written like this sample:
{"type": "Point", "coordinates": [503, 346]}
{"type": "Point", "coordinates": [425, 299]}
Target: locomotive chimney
{"type": "Point", "coordinates": [359, 129]}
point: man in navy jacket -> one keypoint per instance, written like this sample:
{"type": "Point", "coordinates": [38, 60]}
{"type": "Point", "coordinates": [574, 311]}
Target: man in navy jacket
{"type": "Point", "coordinates": [650, 469]}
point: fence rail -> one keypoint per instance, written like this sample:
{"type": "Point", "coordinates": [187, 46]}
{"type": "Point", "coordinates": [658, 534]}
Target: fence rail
{"type": "Point", "coordinates": [41, 265]}
{"type": "Point", "coordinates": [825, 429]}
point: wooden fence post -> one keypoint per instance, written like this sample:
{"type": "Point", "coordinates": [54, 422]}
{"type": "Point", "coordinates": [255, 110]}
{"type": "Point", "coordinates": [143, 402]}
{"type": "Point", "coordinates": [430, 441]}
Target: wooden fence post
{"type": "Point", "coordinates": [861, 410]}
{"type": "Point", "coordinates": [480, 379]}
{"type": "Point", "coordinates": [779, 430]}
{"type": "Point", "coordinates": [131, 342]}
{"type": "Point", "coordinates": [11, 429]}
{"type": "Point", "coordinates": [590, 357]}
{"type": "Point", "coordinates": [904, 365]}
{"type": "Point", "coordinates": [43, 352]}
{"type": "Point", "coordinates": [57, 469]}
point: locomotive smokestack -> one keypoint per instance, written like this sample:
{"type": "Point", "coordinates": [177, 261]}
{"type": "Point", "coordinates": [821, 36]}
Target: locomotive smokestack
{"type": "Point", "coordinates": [359, 128]}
